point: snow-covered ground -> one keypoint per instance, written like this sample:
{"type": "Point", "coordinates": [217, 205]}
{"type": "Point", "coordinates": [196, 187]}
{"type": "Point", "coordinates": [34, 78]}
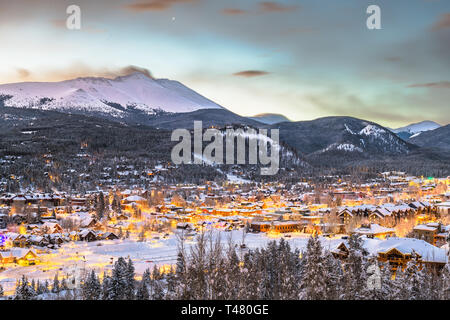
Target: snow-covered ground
{"type": "Point", "coordinates": [101, 255]}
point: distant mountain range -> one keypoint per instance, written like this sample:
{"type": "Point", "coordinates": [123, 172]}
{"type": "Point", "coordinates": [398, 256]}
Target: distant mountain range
{"type": "Point", "coordinates": [415, 129]}
{"type": "Point", "coordinates": [270, 118]}
{"type": "Point", "coordinates": [437, 138]}
{"type": "Point", "coordinates": [139, 101]}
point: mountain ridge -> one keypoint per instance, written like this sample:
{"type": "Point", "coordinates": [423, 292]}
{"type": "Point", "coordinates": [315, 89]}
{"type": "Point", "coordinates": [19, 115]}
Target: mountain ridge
{"type": "Point", "coordinates": [270, 118]}
{"type": "Point", "coordinates": [135, 92]}
{"type": "Point", "coordinates": [328, 141]}
{"type": "Point", "coordinates": [415, 129]}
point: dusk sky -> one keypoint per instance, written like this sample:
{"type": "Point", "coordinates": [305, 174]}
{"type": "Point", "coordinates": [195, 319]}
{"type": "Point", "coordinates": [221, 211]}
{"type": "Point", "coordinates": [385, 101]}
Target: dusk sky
{"type": "Point", "coordinates": [305, 58]}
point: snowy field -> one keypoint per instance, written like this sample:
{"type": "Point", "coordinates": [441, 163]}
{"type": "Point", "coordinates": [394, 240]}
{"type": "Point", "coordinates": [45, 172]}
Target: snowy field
{"type": "Point", "coordinates": [101, 255]}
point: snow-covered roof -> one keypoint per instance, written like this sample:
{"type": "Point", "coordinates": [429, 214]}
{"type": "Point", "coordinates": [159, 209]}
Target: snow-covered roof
{"type": "Point", "coordinates": [428, 252]}
{"type": "Point", "coordinates": [373, 228]}
{"type": "Point", "coordinates": [424, 227]}
{"type": "Point", "coordinates": [443, 204]}
{"type": "Point", "coordinates": [134, 199]}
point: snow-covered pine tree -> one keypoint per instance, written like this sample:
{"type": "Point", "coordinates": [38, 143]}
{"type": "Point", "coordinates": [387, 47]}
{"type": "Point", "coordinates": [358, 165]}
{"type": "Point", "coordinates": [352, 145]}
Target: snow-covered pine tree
{"type": "Point", "coordinates": [313, 280]}
{"type": "Point", "coordinates": [400, 286]}
{"type": "Point", "coordinates": [119, 282]}
{"type": "Point", "coordinates": [415, 279]}
{"type": "Point", "coordinates": [433, 283]}
{"type": "Point", "coordinates": [172, 284]}
{"type": "Point", "coordinates": [196, 275]}
{"type": "Point", "coordinates": [355, 276]}
{"type": "Point", "coordinates": [56, 288]}
{"type": "Point", "coordinates": [91, 288]}
{"type": "Point", "coordinates": [445, 289]}
{"type": "Point", "coordinates": [33, 285]}
{"type": "Point", "coordinates": [64, 284]}
{"type": "Point", "coordinates": [157, 292]}
{"type": "Point", "coordinates": [146, 276]}
{"type": "Point", "coordinates": [289, 271]}
{"type": "Point", "coordinates": [180, 275]}
{"type": "Point", "coordinates": [388, 284]}
{"type": "Point", "coordinates": [24, 291]}
{"type": "Point", "coordinates": [142, 291]}
{"type": "Point", "coordinates": [100, 206]}
{"type": "Point", "coordinates": [106, 287]}
{"type": "Point", "coordinates": [46, 287]}
{"type": "Point", "coordinates": [226, 275]}
{"type": "Point", "coordinates": [334, 275]}
{"type": "Point", "coordinates": [130, 281]}
{"type": "Point", "coordinates": [251, 273]}
{"type": "Point", "coordinates": [39, 288]}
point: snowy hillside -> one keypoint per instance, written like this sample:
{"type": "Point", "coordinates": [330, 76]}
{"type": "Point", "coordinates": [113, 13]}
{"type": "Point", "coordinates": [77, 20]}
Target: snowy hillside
{"type": "Point", "coordinates": [116, 97]}
{"type": "Point", "coordinates": [335, 136]}
{"type": "Point", "coordinates": [413, 130]}
{"type": "Point", "coordinates": [371, 136]}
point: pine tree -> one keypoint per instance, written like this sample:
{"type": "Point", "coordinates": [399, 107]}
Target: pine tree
{"type": "Point", "coordinates": [400, 285]}
{"type": "Point", "coordinates": [24, 291]}
{"type": "Point", "coordinates": [46, 287]}
{"type": "Point", "coordinates": [314, 272]}
{"type": "Point", "coordinates": [445, 288]}
{"type": "Point", "coordinates": [64, 285]}
{"type": "Point", "coordinates": [415, 279]}
{"type": "Point", "coordinates": [181, 276]}
{"type": "Point", "coordinates": [251, 271]}
{"type": "Point", "coordinates": [130, 281]}
{"type": "Point", "coordinates": [355, 277]}
{"type": "Point", "coordinates": [91, 288]}
{"type": "Point", "coordinates": [39, 288]}
{"type": "Point", "coordinates": [56, 288]}
{"type": "Point", "coordinates": [119, 285]}
{"type": "Point", "coordinates": [100, 208]}
{"type": "Point", "coordinates": [106, 287]}
{"type": "Point", "coordinates": [172, 284]}
{"type": "Point", "coordinates": [334, 274]}
{"type": "Point", "coordinates": [142, 291]}
{"type": "Point", "coordinates": [157, 292]}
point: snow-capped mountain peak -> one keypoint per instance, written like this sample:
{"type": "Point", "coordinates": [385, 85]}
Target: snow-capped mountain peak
{"type": "Point", "coordinates": [415, 128]}
{"type": "Point", "coordinates": [135, 91]}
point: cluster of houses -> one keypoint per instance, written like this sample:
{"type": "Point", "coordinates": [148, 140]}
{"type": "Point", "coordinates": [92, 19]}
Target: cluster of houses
{"type": "Point", "coordinates": [24, 247]}
{"type": "Point", "coordinates": [20, 256]}
{"type": "Point", "coordinates": [433, 232]}
{"type": "Point", "coordinates": [397, 252]}
{"type": "Point", "coordinates": [269, 208]}
{"type": "Point", "coordinates": [380, 212]}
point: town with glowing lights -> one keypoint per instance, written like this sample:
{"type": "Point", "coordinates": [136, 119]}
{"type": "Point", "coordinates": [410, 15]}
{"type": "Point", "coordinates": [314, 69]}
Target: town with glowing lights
{"type": "Point", "coordinates": [46, 236]}
{"type": "Point", "coordinates": [218, 158]}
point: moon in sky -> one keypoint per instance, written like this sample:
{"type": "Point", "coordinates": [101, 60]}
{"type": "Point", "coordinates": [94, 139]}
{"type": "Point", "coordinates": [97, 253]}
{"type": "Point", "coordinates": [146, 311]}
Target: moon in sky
{"type": "Point", "coordinates": [173, 18]}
